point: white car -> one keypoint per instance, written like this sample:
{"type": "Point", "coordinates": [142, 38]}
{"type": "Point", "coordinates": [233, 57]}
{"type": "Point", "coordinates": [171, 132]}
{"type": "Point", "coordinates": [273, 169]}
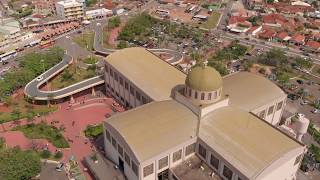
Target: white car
{"type": "Point", "coordinates": [39, 78]}
{"type": "Point", "coordinates": [98, 24]}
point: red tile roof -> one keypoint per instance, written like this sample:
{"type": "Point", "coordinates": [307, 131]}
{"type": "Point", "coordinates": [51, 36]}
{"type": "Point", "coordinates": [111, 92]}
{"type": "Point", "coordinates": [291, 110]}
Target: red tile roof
{"type": "Point", "coordinates": [237, 19]}
{"type": "Point", "coordinates": [267, 33]}
{"type": "Point", "coordinates": [316, 35]}
{"type": "Point", "coordinates": [252, 29]}
{"type": "Point", "coordinates": [274, 19]}
{"type": "Point", "coordinates": [282, 35]}
{"type": "Point", "coordinates": [298, 38]}
{"type": "Point", "coordinates": [313, 44]}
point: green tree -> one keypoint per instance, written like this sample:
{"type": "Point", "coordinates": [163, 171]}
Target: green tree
{"type": "Point", "coordinates": [45, 154]}
{"type": "Point", "coordinates": [274, 57]}
{"type": "Point", "coordinates": [270, 1]}
{"type": "Point", "coordinates": [58, 155]}
{"type": "Point", "coordinates": [67, 76]}
{"type": "Point", "coordinates": [122, 44]}
{"type": "Point", "coordinates": [114, 22]}
{"type": "Point", "coordinates": [303, 63]}
{"type": "Point", "coordinates": [16, 114]}
{"type": "Point", "coordinates": [16, 164]}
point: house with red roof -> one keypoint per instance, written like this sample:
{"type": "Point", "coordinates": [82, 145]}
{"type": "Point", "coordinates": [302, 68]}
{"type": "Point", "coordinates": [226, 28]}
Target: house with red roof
{"type": "Point", "coordinates": [282, 37]}
{"type": "Point", "coordinates": [253, 31]}
{"type": "Point", "coordinates": [238, 24]}
{"type": "Point", "coordinates": [274, 20]}
{"type": "Point", "coordinates": [297, 39]}
{"type": "Point", "coordinates": [312, 46]}
{"type": "Point", "coordinates": [267, 34]}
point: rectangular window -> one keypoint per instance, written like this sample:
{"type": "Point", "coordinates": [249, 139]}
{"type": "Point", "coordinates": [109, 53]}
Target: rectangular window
{"type": "Point", "coordinates": [127, 158]}
{"type": "Point", "coordinates": [120, 150]}
{"type": "Point", "coordinates": [144, 100]}
{"type": "Point", "coordinates": [190, 149]}
{"type": "Point", "coordinates": [270, 111]}
{"type": "Point", "coordinates": [114, 143]}
{"type": "Point", "coordinates": [189, 92]}
{"type": "Point", "coordinates": [106, 68]}
{"type": "Point", "coordinates": [209, 96]}
{"type": "Point", "coordinates": [177, 155]}
{"type": "Point", "coordinates": [202, 151]}
{"type": "Point", "coordinates": [138, 96]}
{"type": "Point", "coordinates": [148, 170]}
{"type": "Point", "coordinates": [134, 168]}
{"type": "Point", "coordinates": [121, 81]}
{"type": "Point", "coordinates": [115, 76]}
{"type": "Point", "coordinates": [126, 85]}
{"type": "Point", "coordinates": [196, 95]}
{"type": "Point", "coordinates": [279, 105]}
{"type": "Point", "coordinates": [163, 162]}
{"type": "Point", "coordinates": [262, 114]}
{"type": "Point", "coordinates": [111, 73]}
{"type": "Point", "coordinates": [202, 96]}
{"type": "Point", "coordinates": [132, 90]}
{"type": "Point", "coordinates": [108, 135]}
{"type": "Point", "coordinates": [215, 95]}
{"type": "Point", "coordinates": [227, 173]}
{"type": "Point", "coordinates": [214, 162]}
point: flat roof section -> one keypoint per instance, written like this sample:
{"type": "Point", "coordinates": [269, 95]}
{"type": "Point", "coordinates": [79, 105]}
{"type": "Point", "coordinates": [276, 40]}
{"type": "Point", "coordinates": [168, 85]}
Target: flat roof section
{"type": "Point", "coordinates": [249, 91]}
{"type": "Point", "coordinates": [244, 140]}
{"type": "Point", "coordinates": [194, 168]}
{"type": "Point", "coordinates": [155, 127]}
{"type": "Point", "coordinates": [145, 70]}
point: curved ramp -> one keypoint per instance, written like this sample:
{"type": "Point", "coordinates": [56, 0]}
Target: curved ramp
{"type": "Point", "coordinates": [32, 88]}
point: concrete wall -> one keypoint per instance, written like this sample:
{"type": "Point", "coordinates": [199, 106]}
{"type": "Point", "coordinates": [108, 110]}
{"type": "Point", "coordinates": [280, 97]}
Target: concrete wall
{"type": "Point", "coordinates": [123, 95]}
{"type": "Point", "coordinates": [169, 153]}
{"type": "Point", "coordinates": [275, 117]}
{"type": "Point", "coordinates": [284, 168]}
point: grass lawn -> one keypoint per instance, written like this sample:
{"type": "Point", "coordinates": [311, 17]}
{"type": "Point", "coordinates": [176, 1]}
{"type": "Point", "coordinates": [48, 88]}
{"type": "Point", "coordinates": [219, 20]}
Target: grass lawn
{"type": "Point", "coordinates": [90, 60]}
{"type": "Point", "coordinates": [212, 21]}
{"type": "Point", "coordinates": [19, 108]}
{"type": "Point", "coordinates": [85, 40]}
{"type": "Point", "coordinates": [93, 131]}
{"type": "Point", "coordinates": [44, 131]}
{"type": "Point", "coordinates": [70, 76]}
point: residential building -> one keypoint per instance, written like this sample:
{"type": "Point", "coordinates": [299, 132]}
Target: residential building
{"type": "Point", "coordinates": [312, 46]}
{"type": "Point", "coordinates": [267, 33]}
{"type": "Point", "coordinates": [274, 20]}
{"type": "Point", "coordinates": [44, 7]}
{"type": "Point", "coordinates": [254, 4]}
{"type": "Point", "coordinates": [297, 39]}
{"type": "Point", "coordinates": [195, 121]}
{"type": "Point", "coordinates": [11, 35]}
{"type": "Point", "coordinates": [70, 9]}
{"type": "Point", "coordinates": [253, 31]}
{"type": "Point", "coordinates": [98, 13]}
{"type": "Point", "coordinates": [282, 37]}
{"type": "Point", "coordinates": [238, 24]}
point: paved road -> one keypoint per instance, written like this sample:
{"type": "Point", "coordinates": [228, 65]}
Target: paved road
{"type": "Point", "coordinates": [48, 172]}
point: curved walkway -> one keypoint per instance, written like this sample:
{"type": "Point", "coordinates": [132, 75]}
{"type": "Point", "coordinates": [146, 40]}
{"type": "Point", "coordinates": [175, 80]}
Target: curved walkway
{"type": "Point", "coordinates": [32, 88]}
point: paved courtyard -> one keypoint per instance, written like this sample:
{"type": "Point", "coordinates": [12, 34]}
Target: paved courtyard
{"type": "Point", "coordinates": [92, 112]}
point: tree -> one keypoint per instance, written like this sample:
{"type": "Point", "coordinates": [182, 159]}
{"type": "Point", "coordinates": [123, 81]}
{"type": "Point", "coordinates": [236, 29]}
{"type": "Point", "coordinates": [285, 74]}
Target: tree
{"type": "Point", "coordinates": [16, 164]}
{"type": "Point", "coordinates": [66, 76]}
{"type": "Point", "coordinates": [122, 44]}
{"type": "Point", "coordinates": [270, 1]}
{"type": "Point", "coordinates": [303, 63]}
{"type": "Point", "coordinates": [274, 57]}
{"type": "Point", "coordinates": [15, 114]}
{"type": "Point", "coordinates": [114, 22]}
{"type": "Point", "coordinates": [45, 154]}
{"type": "Point", "coordinates": [58, 155]}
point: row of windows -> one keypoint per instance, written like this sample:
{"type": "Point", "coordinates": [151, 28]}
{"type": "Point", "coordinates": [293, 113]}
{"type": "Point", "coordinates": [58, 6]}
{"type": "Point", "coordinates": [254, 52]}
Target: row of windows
{"type": "Point", "coordinates": [122, 153]}
{"type": "Point", "coordinates": [262, 114]}
{"type": "Point", "coordinates": [122, 82]}
{"type": "Point", "coordinates": [202, 95]}
{"type": "Point", "coordinates": [214, 162]}
{"type": "Point", "coordinates": [164, 162]}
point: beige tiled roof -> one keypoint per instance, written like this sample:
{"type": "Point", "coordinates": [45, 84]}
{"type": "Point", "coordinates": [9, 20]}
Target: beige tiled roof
{"type": "Point", "coordinates": [249, 91]}
{"type": "Point", "coordinates": [152, 75]}
{"type": "Point", "coordinates": [245, 141]}
{"type": "Point", "coordinates": [155, 127]}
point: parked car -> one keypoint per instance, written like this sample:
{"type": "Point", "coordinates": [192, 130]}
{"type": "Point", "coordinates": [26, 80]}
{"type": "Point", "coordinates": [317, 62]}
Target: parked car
{"type": "Point", "coordinates": [316, 111]}
{"type": "Point", "coordinates": [39, 78]}
{"type": "Point", "coordinates": [293, 97]}
{"type": "Point", "coordinates": [299, 81]}
{"type": "Point", "coordinates": [59, 167]}
{"type": "Point", "coordinates": [304, 102]}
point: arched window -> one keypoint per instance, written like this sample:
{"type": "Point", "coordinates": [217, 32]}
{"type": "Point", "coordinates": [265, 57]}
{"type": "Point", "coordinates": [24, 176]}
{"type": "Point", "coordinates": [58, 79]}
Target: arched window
{"type": "Point", "coordinates": [209, 96]}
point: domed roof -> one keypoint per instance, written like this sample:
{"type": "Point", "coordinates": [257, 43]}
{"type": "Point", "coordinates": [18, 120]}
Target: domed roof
{"type": "Point", "coordinates": [204, 79]}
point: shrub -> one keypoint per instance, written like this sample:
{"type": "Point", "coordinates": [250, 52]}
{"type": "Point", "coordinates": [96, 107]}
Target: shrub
{"type": "Point", "coordinates": [58, 155]}
{"type": "Point", "coordinates": [45, 154]}
{"type": "Point", "coordinates": [93, 131]}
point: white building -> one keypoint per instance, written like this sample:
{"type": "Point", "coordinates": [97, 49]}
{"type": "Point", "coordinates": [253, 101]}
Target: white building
{"type": "Point", "coordinates": [98, 13]}
{"type": "Point", "coordinates": [197, 126]}
{"type": "Point", "coordinates": [11, 36]}
{"type": "Point", "coordinates": [70, 9]}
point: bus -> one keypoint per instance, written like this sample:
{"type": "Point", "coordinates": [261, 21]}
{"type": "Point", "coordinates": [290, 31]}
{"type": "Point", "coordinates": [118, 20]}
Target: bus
{"type": "Point", "coordinates": [8, 55]}
{"type": "Point", "coordinates": [46, 44]}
